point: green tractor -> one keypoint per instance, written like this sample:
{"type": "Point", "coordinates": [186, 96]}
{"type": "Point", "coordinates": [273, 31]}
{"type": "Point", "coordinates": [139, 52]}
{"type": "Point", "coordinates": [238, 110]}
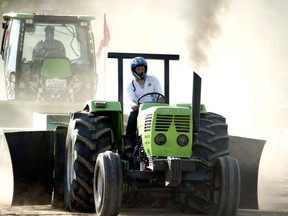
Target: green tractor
{"type": "Point", "coordinates": [47, 156]}
{"type": "Point", "coordinates": [38, 75]}
{"type": "Point", "coordinates": [181, 157]}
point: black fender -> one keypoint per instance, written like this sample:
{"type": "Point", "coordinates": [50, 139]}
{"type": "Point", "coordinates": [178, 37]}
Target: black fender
{"type": "Point", "coordinates": [248, 152]}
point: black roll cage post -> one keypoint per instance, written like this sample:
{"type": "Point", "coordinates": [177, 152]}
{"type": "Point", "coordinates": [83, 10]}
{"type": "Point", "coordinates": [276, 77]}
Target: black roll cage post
{"type": "Point", "coordinates": [165, 57]}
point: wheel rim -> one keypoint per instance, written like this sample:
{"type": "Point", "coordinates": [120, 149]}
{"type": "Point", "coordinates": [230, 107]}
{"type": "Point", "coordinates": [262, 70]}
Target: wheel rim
{"type": "Point", "coordinates": [99, 189]}
{"type": "Point", "coordinates": [70, 160]}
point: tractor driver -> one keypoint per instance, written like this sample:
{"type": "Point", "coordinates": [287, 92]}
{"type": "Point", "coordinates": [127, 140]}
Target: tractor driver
{"type": "Point", "coordinates": [140, 85]}
{"type": "Point", "coordinates": [49, 47]}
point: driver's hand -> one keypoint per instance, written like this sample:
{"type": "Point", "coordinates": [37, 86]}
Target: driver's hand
{"type": "Point", "coordinates": [134, 105]}
{"type": "Point", "coordinates": [161, 99]}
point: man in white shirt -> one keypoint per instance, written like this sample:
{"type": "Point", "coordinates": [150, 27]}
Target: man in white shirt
{"type": "Point", "coordinates": [140, 85]}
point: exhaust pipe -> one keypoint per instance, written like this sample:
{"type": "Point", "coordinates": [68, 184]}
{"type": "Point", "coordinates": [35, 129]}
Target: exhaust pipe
{"type": "Point", "coordinates": [196, 103]}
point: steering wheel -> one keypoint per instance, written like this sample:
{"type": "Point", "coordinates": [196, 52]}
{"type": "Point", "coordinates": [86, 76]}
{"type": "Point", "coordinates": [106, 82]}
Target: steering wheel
{"type": "Point", "coordinates": [155, 98]}
{"type": "Point", "coordinates": [54, 53]}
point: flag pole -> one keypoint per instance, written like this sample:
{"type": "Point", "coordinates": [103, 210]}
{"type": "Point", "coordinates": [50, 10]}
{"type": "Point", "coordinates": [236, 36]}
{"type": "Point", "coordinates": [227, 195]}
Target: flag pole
{"type": "Point", "coordinates": [105, 44]}
{"type": "Point", "coordinates": [104, 56]}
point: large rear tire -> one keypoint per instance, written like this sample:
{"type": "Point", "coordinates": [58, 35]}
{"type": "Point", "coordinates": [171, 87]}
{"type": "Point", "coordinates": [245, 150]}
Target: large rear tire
{"type": "Point", "coordinates": [225, 192]}
{"type": "Point", "coordinates": [213, 138]}
{"type": "Point", "coordinates": [108, 183]}
{"type": "Point", "coordinates": [212, 143]}
{"type": "Point", "coordinates": [87, 136]}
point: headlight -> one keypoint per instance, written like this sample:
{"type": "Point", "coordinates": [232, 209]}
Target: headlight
{"type": "Point", "coordinates": [182, 140]}
{"type": "Point", "coordinates": [100, 104]}
{"type": "Point", "coordinates": [160, 139]}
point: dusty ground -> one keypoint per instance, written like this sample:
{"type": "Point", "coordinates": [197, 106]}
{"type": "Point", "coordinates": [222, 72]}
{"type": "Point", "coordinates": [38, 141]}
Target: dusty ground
{"type": "Point", "coordinates": [47, 210]}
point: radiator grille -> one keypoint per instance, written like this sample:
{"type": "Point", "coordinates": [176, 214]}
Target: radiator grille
{"type": "Point", "coordinates": [182, 123]}
{"type": "Point", "coordinates": [148, 122]}
{"type": "Point", "coordinates": [163, 122]}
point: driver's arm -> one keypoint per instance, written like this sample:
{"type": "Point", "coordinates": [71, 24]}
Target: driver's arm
{"type": "Point", "coordinates": [36, 54]}
{"type": "Point", "coordinates": [158, 89]}
{"type": "Point", "coordinates": [132, 97]}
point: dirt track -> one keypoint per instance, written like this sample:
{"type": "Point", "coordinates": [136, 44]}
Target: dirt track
{"type": "Point", "coordinates": [47, 210]}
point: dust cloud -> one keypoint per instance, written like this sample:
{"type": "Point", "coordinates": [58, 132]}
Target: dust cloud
{"type": "Point", "coordinates": [238, 47]}
{"type": "Point", "coordinates": [247, 83]}
{"type": "Point", "coordinates": [203, 28]}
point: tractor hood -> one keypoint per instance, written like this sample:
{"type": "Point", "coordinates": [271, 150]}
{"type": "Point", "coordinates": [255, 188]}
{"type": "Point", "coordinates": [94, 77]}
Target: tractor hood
{"type": "Point", "coordinates": [166, 131]}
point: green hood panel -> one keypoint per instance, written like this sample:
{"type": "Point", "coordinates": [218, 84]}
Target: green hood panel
{"type": "Point", "coordinates": [56, 67]}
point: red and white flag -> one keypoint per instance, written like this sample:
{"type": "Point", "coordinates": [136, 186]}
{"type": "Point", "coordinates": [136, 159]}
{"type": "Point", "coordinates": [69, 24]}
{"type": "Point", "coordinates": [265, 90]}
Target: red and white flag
{"type": "Point", "coordinates": [106, 33]}
{"type": "Point", "coordinates": [106, 38]}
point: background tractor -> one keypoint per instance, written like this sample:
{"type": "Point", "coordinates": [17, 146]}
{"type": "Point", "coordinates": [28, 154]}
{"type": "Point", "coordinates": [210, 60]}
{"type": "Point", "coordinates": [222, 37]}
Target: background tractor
{"type": "Point", "coordinates": [54, 82]}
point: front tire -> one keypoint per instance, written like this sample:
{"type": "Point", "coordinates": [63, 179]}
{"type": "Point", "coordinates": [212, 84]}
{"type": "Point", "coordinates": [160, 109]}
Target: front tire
{"type": "Point", "coordinates": [225, 192]}
{"type": "Point", "coordinates": [108, 182]}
